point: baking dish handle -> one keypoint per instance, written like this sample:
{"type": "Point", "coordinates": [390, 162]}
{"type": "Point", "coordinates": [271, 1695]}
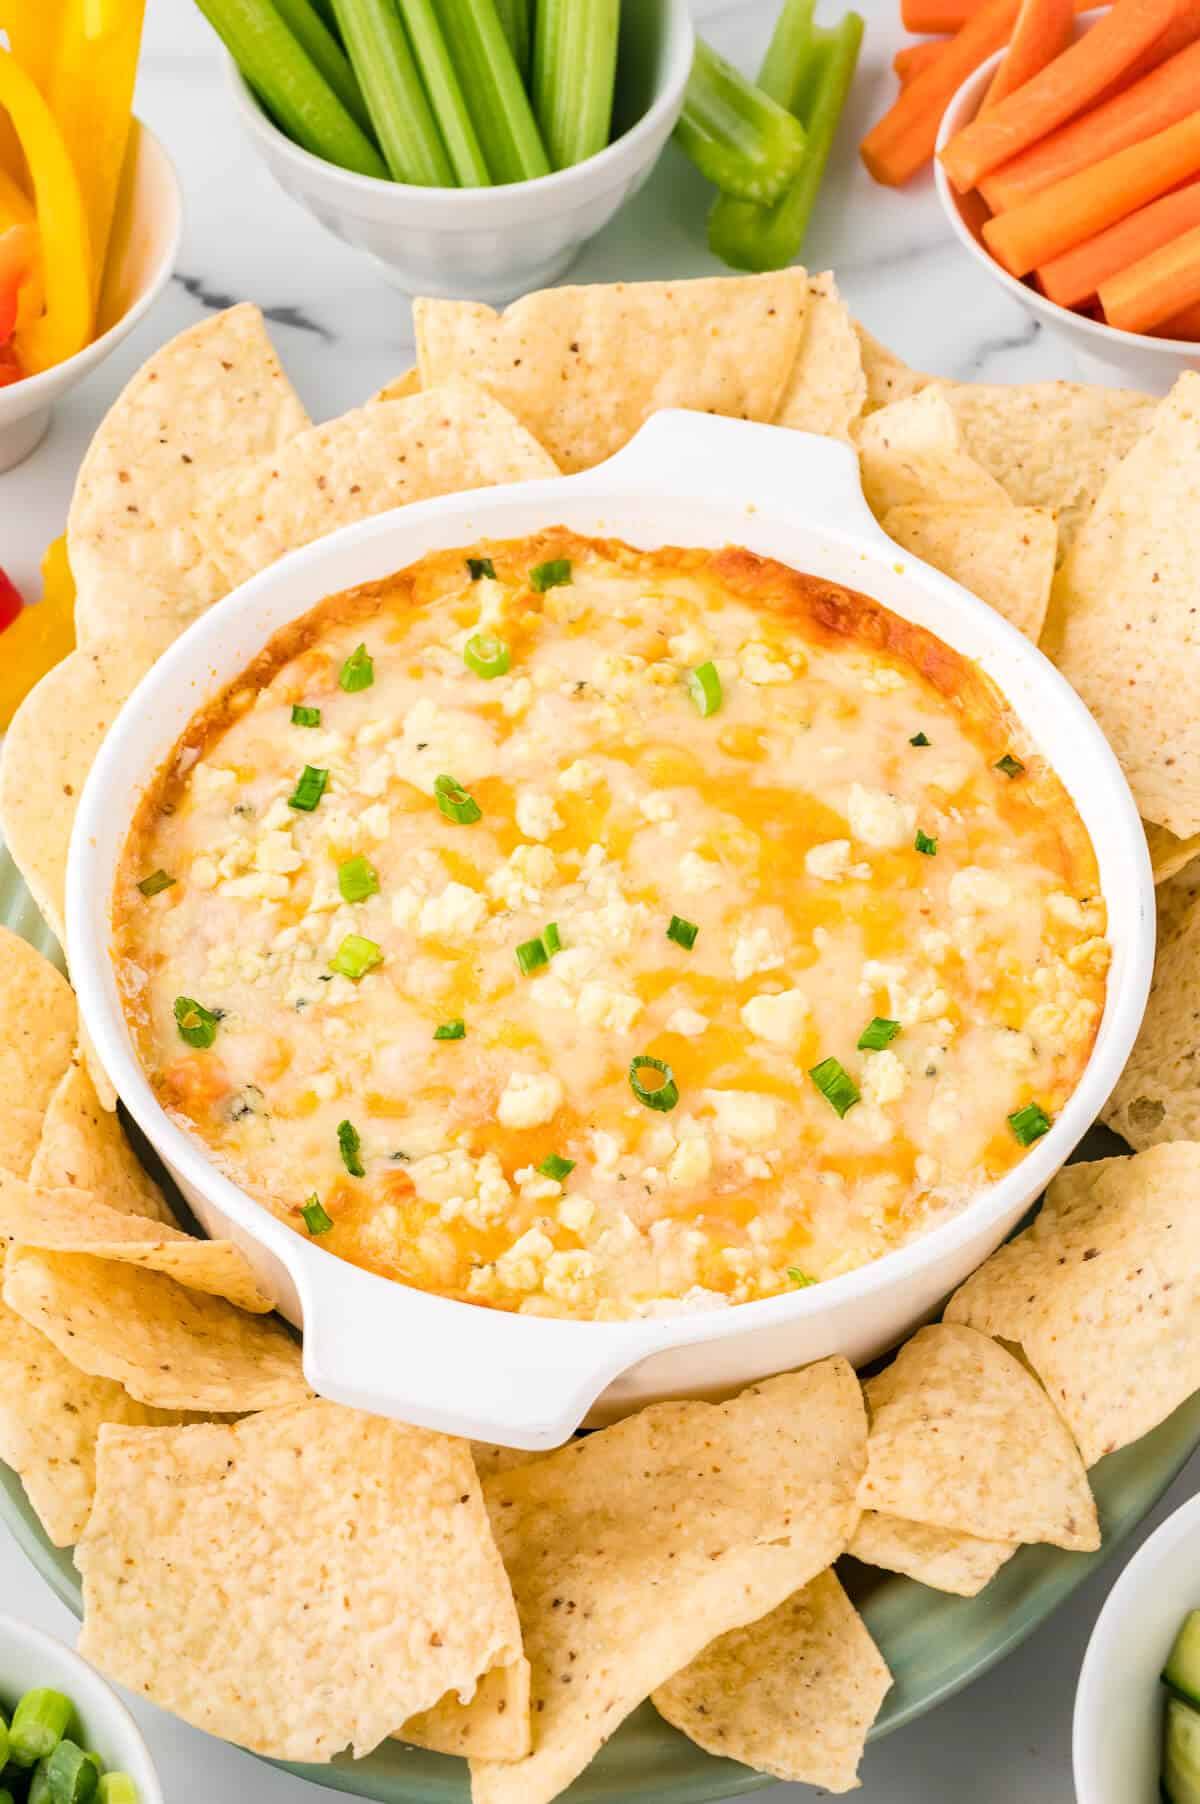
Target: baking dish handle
{"type": "Point", "coordinates": [522, 1381]}
{"type": "Point", "coordinates": [812, 479]}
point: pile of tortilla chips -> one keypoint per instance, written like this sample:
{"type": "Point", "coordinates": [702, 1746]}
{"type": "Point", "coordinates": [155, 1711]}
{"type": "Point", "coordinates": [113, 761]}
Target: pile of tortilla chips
{"type": "Point", "coordinates": [302, 1578]}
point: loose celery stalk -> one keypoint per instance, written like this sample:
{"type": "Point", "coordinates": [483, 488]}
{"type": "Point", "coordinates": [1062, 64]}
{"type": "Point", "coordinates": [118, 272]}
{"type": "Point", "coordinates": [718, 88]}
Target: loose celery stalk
{"type": "Point", "coordinates": [758, 238]}
{"type": "Point", "coordinates": [445, 94]}
{"type": "Point", "coordinates": [378, 47]}
{"type": "Point", "coordinates": [516, 16]}
{"type": "Point", "coordinates": [325, 53]}
{"type": "Point", "coordinates": [285, 79]}
{"type": "Point", "coordinates": [494, 92]}
{"type": "Point", "coordinates": [789, 54]}
{"type": "Point", "coordinates": [740, 139]}
{"type": "Point", "coordinates": [575, 76]}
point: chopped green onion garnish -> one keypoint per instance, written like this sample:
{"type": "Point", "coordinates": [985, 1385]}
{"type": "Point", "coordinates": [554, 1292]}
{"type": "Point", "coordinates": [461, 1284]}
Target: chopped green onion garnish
{"type": "Point", "coordinates": [155, 883]}
{"type": "Point", "coordinates": [798, 1277]}
{"type": "Point", "coordinates": [39, 1722]}
{"type": "Point", "coordinates": [1029, 1123]}
{"type": "Point", "coordinates": [836, 1085]}
{"type": "Point", "coordinates": [877, 1034]}
{"type": "Point", "coordinates": [551, 938]}
{"type": "Point", "coordinates": [309, 789]}
{"type": "Point", "coordinates": [358, 879]}
{"type": "Point", "coordinates": [455, 803]}
{"type": "Point", "coordinates": [481, 566]}
{"type": "Point", "coordinates": [355, 957]}
{"type": "Point", "coordinates": [924, 843]}
{"type": "Point", "coordinates": [556, 1167]}
{"type": "Point", "coordinates": [661, 1096]}
{"type": "Point", "coordinates": [116, 1788]}
{"type": "Point", "coordinates": [531, 954]}
{"type": "Point", "coordinates": [918, 739]}
{"type": "Point", "coordinates": [550, 575]}
{"type": "Point", "coordinates": [358, 672]}
{"type": "Point", "coordinates": [305, 717]}
{"type": "Point", "coordinates": [71, 1776]}
{"type": "Point", "coordinates": [486, 655]}
{"type": "Point", "coordinates": [704, 687]}
{"type": "Point", "coordinates": [315, 1218]}
{"type": "Point", "coordinates": [1012, 767]}
{"type": "Point", "coordinates": [351, 1149]}
{"type": "Point", "coordinates": [451, 1030]}
{"type": "Point", "coordinates": [682, 932]}
{"type": "Point", "coordinates": [197, 1025]}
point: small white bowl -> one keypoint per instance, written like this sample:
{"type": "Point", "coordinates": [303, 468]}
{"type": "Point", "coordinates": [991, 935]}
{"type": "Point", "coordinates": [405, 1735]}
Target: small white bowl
{"type": "Point", "coordinates": [491, 244]}
{"type": "Point", "coordinates": [145, 241]}
{"type": "Point", "coordinates": [29, 1658]}
{"type": "Point", "coordinates": [1101, 353]}
{"type": "Point", "coordinates": [1117, 1738]}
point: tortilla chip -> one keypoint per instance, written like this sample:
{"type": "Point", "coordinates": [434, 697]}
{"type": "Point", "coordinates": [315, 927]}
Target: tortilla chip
{"type": "Point", "coordinates": [50, 1416]}
{"type": "Point", "coordinates": [84, 1146]}
{"type": "Point", "coordinates": [937, 1557]}
{"type": "Point", "coordinates": [1050, 444]}
{"type": "Point", "coordinates": [633, 1548]}
{"type": "Point", "coordinates": [888, 376]}
{"type": "Point", "coordinates": [37, 1010]}
{"type": "Point", "coordinates": [1005, 555]}
{"type": "Point", "coordinates": [1102, 1293]}
{"type": "Point", "coordinates": [913, 454]}
{"type": "Point", "coordinates": [295, 1583]}
{"type": "Point", "coordinates": [400, 387]}
{"type": "Point", "coordinates": [583, 368]}
{"type": "Point", "coordinates": [81, 1221]}
{"type": "Point", "coordinates": [793, 1695]}
{"type": "Point", "coordinates": [490, 1459]}
{"type": "Point", "coordinates": [964, 1438]}
{"type": "Point", "coordinates": [1169, 855]}
{"type": "Point", "coordinates": [1157, 1096]}
{"type": "Point", "coordinates": [1130, 629]}
{"type": "Point", "coordinates": [213, 396]}
{"type": "Point", "coordinates": [170, 1347]}
{"type": "Point", "coordinates": [827, 389]}
{"type": "Point", "coordinates": [493, 1726]}
{"type": "Point", "coordinates": [1174, 896]}
{"type": "Point", "coordinates": [380, 456]}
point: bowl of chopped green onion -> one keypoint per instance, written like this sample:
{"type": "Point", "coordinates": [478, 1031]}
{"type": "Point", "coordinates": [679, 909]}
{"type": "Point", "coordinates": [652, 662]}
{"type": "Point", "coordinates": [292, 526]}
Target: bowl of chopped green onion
{"type": "Point", "coordinates": [471, 147]}
{"type": "Point", "coordinates": [65, 1736]}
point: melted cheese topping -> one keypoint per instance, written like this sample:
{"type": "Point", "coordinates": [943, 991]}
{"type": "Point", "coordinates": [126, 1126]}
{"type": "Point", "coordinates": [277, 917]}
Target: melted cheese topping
{"type": "Point", "coordinates": [784, 827]}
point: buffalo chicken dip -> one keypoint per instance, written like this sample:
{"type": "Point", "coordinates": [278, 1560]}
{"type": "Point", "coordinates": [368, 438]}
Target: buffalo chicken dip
{"type": "Point", "coordinates": [594, 932]}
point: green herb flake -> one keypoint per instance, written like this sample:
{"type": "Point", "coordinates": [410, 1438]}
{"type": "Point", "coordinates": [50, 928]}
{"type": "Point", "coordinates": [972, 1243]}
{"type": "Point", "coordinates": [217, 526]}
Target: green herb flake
{"type": "Point", "coordinates": [551, 575]}
{"type": "Point", "coordinates": [355, 957]}
{"type": "Point", "coordinates": [197, 1024]}
{"type": "Point", "coordinates": [479, 567]}
{"type": "Point", "coordinates": [315, 1218]}
{"type": "Point", "coordinates": [305, 717]}
{"type": "Point", "coordinates": [156, 883]}
{"type": "Point", "coordinates": [357, 879]}
{"type": "Point", "coordinates": [704, 687]}
{"type": "Point", "coordinates": [661, 1096]}
{"type": "Point", "coordinates": [919, 739]}
{"type": "Point", "coordinates": [486, 656]}
{"type": "Point", "coordinates": [836, 1085]}
{"type": "Point", "coordinates": [556, 1167]}
{"type": "Point", "coordinates": [682, 932]}
{"type": "Point", "coordinates": [455, 803]}
{"type": "Point", "coordinates": [309, 789]}
{"type": "Point", "coordinates": [926, 843]}
{"type": "Point", "coordinates": [530, 955]}
{"type": "Point", "coordinates": [350, 1147]}
{"type": "Point", "coordinates": [551, 938]}
{"type": "Point", "coordinates": [1030, 1123]}
{"type": "Point", "coordinates": [451, 1030]}
{"type": "Point", "coordinates": [358, 672]}
{"type": "Point", "coordinates": [1012, 767]}
{"type": "Point", "coordinates": [800, 1279]}
{"type": "Point", "coordinates": [877, 1034]}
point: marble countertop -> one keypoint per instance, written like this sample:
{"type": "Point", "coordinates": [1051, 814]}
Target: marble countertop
{"type": "Point", "coordinates": [342, 333]}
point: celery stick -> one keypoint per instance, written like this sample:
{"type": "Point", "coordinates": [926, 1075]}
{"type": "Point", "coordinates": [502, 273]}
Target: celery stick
{"type": "Point", "coordinates": [789, 54]}
{"type": "Point", "coordinates": [286, 81]}
{"type": "Point", "coordinates": [575, 76]}
{"type": "Point", "coordinates": [492, 87]}
{"type": "Point", "coordinates": [326, 55]}
{"type": "Point", "coordinates": [516, 16]}
{"type": "Point", "coordinates": [759, 238]}
{"type": "Point", "coordinates": [740, 139]}
{"type": "Point", "coordinates": [381, 54]}
{"type": "Point", "coordinates": [445, 94]}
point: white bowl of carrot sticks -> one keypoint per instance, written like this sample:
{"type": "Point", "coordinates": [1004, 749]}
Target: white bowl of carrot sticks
{"type": "Point", "coordinates": [471, 147]}
{"type": "Point", "coordinates": [1078, 188]}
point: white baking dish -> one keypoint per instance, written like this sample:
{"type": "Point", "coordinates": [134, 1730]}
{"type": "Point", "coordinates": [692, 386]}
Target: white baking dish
{"type": "Point", "coordinates": [685, 479]}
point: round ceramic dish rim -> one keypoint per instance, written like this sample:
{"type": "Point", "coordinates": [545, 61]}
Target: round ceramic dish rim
{"type": "Point", "coordinates": [960, 109]}
{"type": "Point", "coordinates": [593, 1354]}
{"type": "Point", "coordinates": [32, 388]}
{"type": "Point", "coordinates": [467, 209]}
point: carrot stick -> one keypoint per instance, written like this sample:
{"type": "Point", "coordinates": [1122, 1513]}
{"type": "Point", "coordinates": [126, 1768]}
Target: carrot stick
{"type": "Point", "coordinates": [1181, 325]}
{"type": "Point", "coordinates": [1042, 31]}
{"type": "Point", "coordinates": [903, 140]}
{"type": "Point", "coordinates": [1073, 278]}
{"type": "Point", "coordinates": [1063, 88]}
{"type": "Point", "coordinates": [925, 17]}
{"type": "Point", "coordinates": [1169, 93]}
{"type": "Point", "coordinates": [915, 58]}
{"type": "Point", "coordinates": [1141, 297]}
{"type": "Point", "coordinates": [1061, 217]}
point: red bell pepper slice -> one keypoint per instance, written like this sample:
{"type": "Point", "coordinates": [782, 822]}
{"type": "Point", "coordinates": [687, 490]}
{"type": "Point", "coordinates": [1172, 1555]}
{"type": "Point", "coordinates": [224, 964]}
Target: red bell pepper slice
{"type": "Point", "coordinates": [10, 601]}
{"type": "Point", "coordinates": [10, 366]}
{"type": "Point", "coordinates": [18, 247]}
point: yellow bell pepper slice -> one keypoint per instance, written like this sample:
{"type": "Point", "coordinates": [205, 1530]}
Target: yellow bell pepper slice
{"type": "Point", "coordinates": [66, 324]}
{"type": "Point", "coordinates": [41, 636]}
{"type": "Point", "coordinates": [33, 28]}
{"type": "Point", "coordinates": [91, 96]}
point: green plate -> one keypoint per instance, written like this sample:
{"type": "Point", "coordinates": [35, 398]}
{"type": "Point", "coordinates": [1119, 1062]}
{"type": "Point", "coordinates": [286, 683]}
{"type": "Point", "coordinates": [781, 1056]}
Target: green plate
{"type": "Point", "coordinates": [933, 1643]}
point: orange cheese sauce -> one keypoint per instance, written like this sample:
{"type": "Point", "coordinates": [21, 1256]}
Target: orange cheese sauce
{"type": "Point", "coordinates": [784, 829]}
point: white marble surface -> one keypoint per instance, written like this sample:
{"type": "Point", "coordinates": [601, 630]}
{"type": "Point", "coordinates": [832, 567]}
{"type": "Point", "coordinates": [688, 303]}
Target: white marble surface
{"type": "Point", "coordinates": [342, 333]}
